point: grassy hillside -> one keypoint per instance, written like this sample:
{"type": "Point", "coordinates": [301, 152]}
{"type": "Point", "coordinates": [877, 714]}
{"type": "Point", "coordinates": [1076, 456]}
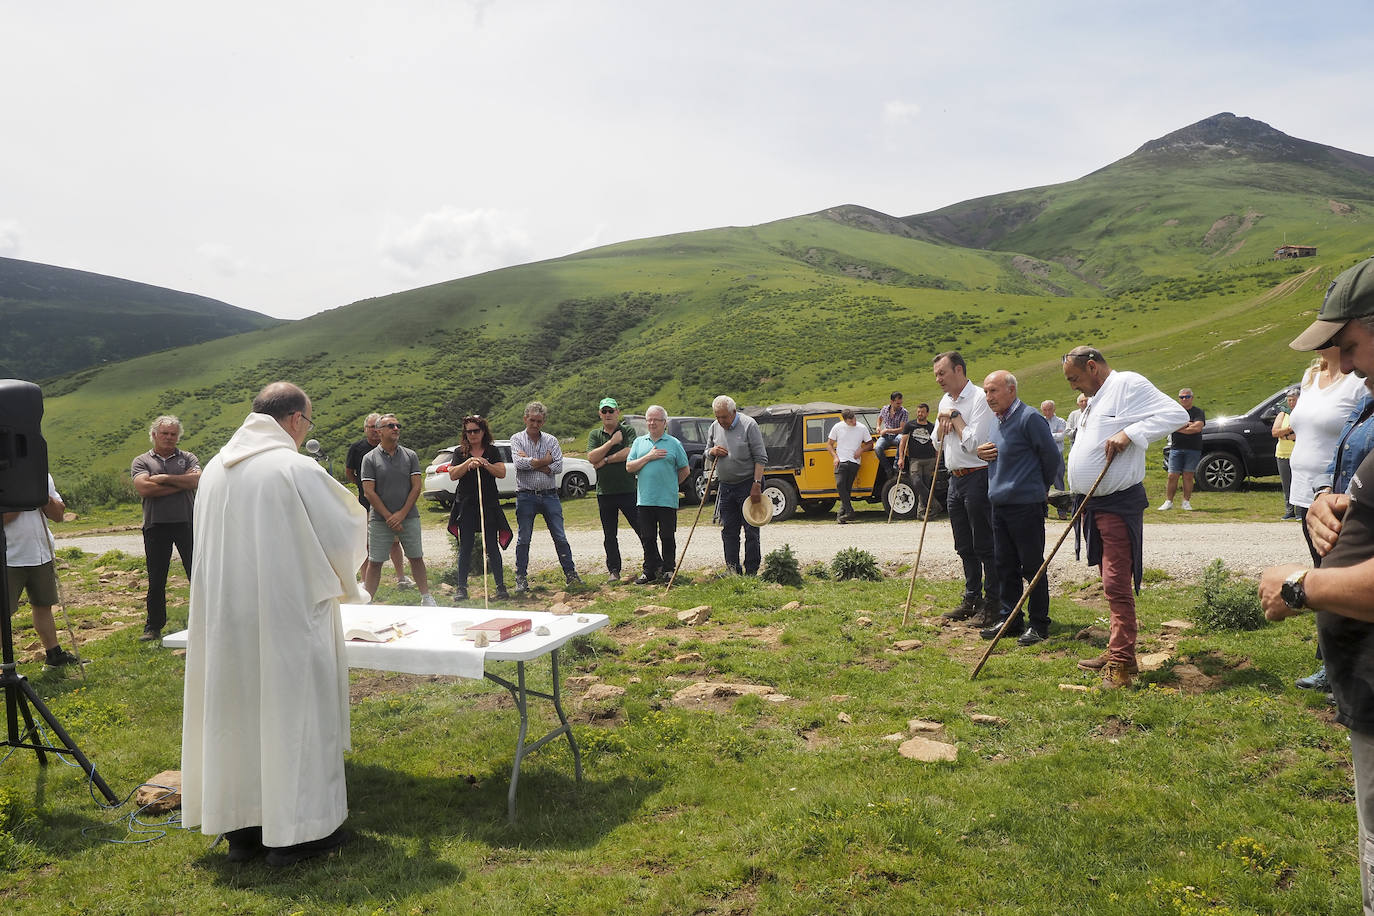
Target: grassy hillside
{"type": "Point", "coordinates": [59, 320]}
{"type": "Point", "coordinates": [844, 305]}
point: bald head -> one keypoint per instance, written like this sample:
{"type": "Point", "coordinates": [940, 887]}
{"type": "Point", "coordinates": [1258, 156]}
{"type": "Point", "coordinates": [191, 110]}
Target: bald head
{"type": "Point", "coordinates": [1000, 388]}
{"type": "Point", "coordinates": [288, 405]}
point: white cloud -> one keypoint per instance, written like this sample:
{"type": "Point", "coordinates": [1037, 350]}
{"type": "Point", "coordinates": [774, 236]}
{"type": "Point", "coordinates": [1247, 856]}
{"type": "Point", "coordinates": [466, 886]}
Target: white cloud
{"type": "Point", "coordinates": [896, 111]}
{"type": "Point", "coordinates": [11, 238]}
{"type": "Point", "coordinates": [221, 259]}
{"type": "Point", "coordinates": [457, 242]}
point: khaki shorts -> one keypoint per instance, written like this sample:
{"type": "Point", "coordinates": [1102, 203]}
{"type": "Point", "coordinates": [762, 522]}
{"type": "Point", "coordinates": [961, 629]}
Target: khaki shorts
{"type": "Point", "coordinates": [380, 538]}
{"type": "Point", "coordinates": [39, 581]}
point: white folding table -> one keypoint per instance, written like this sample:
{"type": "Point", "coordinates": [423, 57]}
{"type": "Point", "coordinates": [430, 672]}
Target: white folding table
{"type": "Point", "coordinates": [434, 649]}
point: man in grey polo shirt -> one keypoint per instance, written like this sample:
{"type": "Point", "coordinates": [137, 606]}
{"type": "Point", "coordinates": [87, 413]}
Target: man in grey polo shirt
{"type": "Point", "coordinates": [166, 478]}
{"type": "Point", "coordinates": [391, 482]}
{"type": "Point", "coordinates": [736, 444]}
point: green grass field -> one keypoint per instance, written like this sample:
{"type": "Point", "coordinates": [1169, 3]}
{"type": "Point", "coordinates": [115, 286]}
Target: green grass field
{"type": "Point", "coordinates": [1212, 787]}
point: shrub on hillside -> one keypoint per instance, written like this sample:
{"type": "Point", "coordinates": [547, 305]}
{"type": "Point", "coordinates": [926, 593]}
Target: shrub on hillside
{"type": "Point", "coordinates": [99, 491]}
{"type": "Point", "coordinates": [781, 566]}
{"type": "Point", "coordinates": [1227, 602]}
{"type": "Point", "coordinates": [855, 563]}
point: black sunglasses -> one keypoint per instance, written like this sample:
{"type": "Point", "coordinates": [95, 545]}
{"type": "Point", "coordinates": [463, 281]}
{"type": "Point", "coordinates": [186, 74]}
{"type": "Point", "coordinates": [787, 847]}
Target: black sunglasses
{"type": "Point", "coordinates": [472, 430]}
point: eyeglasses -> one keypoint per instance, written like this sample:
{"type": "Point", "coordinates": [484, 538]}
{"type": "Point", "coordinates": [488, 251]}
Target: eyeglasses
{"type": "Point", "coordinates": [391, 426]}
{"type": "Point", "coordinates": [1185, 397]}
{"type": "Point", "coordinates": [310, 424]}
{"type": "Point", "coordinates": [474, 431]}
{"type": "Point", "coordinates": [608, 410]}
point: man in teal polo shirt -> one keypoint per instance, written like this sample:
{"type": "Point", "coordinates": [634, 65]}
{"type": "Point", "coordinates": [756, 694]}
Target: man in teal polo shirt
{"type": "Point", "coordinates": [607, 448]}
{"type": "Point", "coordinates": [660, 463]}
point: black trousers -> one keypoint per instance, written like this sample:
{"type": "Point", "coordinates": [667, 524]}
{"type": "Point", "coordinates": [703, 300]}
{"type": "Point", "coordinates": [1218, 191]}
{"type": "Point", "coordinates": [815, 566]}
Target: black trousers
{"type": "Point", "coordinates": [612, 506]}
{"type": "Point", "coordinates": [658, 524]}
{"type": "Point", "coordinates": [158, 541]}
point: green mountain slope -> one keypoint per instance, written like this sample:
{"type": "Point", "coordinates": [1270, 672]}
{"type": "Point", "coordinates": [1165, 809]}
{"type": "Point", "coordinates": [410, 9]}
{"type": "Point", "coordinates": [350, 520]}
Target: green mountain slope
{"type": "Point", "coordinates": [1224, 192]}
{"type": "Point", "coordinates": [59, 320]}
{"type": "Point", "coordinates": [844, 305]}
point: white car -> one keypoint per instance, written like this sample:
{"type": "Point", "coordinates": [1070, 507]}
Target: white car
{"type": "Point", "coordinates": [577, 480]}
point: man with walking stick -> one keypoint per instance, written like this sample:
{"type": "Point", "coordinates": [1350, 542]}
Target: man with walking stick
{"type": "Point", "coordinates": [1124, 414]}
{"type": "Point", "coordinates": [1023, 460]}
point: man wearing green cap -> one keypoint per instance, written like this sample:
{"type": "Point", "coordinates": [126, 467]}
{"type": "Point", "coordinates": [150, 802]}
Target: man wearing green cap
{"type": "Point", "coordinates": [607, 448]}
{"type": "Point", "coordinates": [1342, 529]}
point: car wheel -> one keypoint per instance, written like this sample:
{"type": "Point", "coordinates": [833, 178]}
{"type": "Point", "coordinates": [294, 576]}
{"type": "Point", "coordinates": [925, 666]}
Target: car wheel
{"type": "Point", "coordinates": [817, 506]}
{"type": "Point", "coordinates": [693, 488]}
{"type": "Point", "coordinates": [783, 495]}
{"type": "Point", "coordinates": [1220, 471]}
{"type": "Point", "coordinates": [446, 501]}
{"type": "Point", "coordinates": [575, 485]}
{"type": "Point", "coordinates": [900, 499]}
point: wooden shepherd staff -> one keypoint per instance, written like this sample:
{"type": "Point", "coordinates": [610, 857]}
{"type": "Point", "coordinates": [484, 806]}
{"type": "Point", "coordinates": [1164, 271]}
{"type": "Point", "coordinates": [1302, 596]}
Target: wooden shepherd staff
{"type": "Point", "coordinates": [930, 498]}
{"type": "Point", "coordinates": [1043, 566]}
{"type": "Point", "coordinates": [706, 494]}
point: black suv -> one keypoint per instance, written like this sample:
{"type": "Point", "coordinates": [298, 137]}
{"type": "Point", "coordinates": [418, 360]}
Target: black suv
{"type": "Point", "coordinates": [691, 432]}
{"type": "Point", "coordinates": [1234, 448]}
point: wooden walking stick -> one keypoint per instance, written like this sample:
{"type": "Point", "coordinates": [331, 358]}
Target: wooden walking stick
{"type": "Point", "coordinates": [706, 494]}
{"type": "Point", "coordinates": [930, 498]}
{"type": "Point", "coordinates": [1025, 593]}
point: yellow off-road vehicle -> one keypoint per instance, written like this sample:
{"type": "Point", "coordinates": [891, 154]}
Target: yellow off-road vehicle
{"type": "Point", "coordinates": [800, 473]}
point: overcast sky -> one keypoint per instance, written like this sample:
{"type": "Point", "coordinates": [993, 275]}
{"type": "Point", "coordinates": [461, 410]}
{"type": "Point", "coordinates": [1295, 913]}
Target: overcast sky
{"type": "Point", "coordinates": [296, 155]}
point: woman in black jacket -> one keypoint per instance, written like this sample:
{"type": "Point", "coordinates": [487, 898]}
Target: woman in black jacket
{"type": "Point", "coordinates": [478, 460]}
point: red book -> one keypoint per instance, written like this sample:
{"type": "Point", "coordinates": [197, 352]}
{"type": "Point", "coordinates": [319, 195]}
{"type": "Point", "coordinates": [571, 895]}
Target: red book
{"type": "Point", "coordinates": [500, 628]}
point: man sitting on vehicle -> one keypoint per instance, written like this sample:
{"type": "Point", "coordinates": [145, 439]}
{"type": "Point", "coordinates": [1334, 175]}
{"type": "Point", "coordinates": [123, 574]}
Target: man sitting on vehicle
{"type": "Point", "coordinates": [891, 420]}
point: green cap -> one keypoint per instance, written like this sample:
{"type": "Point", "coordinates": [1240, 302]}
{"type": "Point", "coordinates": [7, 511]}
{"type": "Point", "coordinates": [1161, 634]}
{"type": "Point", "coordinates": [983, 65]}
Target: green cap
{"type": "Point", "coordinates": [1351, 295]}
{"type": "Point", "coordinates": [608, 402]}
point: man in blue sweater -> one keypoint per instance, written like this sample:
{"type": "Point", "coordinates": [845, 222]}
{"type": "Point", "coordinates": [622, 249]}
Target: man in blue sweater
{"type": "Point", "coordinates": [1023, 461]}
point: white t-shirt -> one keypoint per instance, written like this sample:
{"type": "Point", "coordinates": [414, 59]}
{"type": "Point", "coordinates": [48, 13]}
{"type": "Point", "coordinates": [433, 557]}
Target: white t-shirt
{"type": "Point", "coordinates": [28, 542]}
{"type": "Point", "coordinates": [848, 439]}
{"type": "Point", "coordinates": [1317, 420]}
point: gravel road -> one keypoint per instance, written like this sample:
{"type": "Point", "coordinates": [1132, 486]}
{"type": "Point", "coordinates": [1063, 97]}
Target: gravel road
{"type": "Point", "coordinates": [1181, 549]}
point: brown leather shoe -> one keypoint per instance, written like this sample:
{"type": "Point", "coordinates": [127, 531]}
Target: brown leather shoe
{"type": "Point", "coordinates": [966, 609]}
{"type": "Point", "coordinates": [988, 616]}
{"type": "Point", "coordinates": [1115, 676]}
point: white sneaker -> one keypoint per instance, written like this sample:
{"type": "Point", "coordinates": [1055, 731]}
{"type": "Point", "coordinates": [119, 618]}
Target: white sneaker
{"type": "Point", "coordinates": [1187, 506]}
{"type": "Point", "coordinates": [1168, 504]}
{"type": "Point", "coordinates": [404, 582]}
{"type": "Point", "coordinates": [427, 601]}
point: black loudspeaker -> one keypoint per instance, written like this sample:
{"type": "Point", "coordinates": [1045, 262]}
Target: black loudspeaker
{"type": "Point", "coordinates": [23, 453]}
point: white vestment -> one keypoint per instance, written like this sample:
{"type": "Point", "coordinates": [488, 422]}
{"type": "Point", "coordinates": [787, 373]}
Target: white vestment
{"type": "Point", "coordinates": [265, 721]}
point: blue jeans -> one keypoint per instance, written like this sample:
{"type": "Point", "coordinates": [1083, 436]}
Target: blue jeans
{"type": "Point", "coordinates": [970, 516]}
{"type": "Point", "coordinates": [881, 446]}
{"type": "Point", "coordinates": [1020, 549]}
{"type": "Point", "coordinates": [730, 504]}
{"type": "Point", "coordinates": [1184, 460]}
{"type": "Point", "coordinates": [528, 504]}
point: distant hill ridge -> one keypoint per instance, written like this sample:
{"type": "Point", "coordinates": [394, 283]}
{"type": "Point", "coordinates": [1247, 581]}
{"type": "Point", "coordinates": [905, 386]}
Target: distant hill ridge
{"type": "Point", "coordinates": [59, 320]}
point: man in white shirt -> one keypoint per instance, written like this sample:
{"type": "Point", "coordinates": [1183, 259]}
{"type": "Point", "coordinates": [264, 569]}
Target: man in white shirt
{"type": "Point", "coordinates": [1124, 414]}
{"type": "Point", "coordinates": [847, 442]}
{"type": "Point", "coordinates": [30, 568]}
{"type": "Point", "coordinates": [963, 423]}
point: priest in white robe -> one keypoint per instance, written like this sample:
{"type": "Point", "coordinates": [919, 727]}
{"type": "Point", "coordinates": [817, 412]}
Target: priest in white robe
{"type": "Point", "coordinates": [265, 721]}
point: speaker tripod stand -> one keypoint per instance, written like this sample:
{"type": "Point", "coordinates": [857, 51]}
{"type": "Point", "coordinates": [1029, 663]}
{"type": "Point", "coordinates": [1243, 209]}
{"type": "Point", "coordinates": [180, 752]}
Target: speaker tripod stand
{"type": "Point", "coordinates": [21, 699]}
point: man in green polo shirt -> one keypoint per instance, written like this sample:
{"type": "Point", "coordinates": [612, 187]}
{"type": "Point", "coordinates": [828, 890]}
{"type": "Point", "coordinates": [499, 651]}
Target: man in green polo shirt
{"type": "Point", "coordinates": [607, 448]}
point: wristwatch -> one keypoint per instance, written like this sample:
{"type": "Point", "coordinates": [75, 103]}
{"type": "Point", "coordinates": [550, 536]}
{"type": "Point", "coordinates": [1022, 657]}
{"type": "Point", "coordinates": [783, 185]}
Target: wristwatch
{"type": "Point", "coordinates": [953, 414]}
{"type": "Point", "coordinates": [1293, 593]}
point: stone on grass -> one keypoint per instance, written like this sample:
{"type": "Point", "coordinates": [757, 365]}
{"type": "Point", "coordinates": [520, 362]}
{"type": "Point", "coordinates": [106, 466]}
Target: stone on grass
{"type": "Point", "coordinates": [864, 621]}
{"type": "Point", "coordinates": [581, 680]}
{"type": "Point", "coordinates": [1091, 633]}
{"type": "Point", "coordinates": [906, 645]}
{"type": "Point", "coordinates": [979, 718]}
{"type": "Point", "coordinates": [844, 717]}
{"type": "Point", "coordinates": [1176, 625]}
{"type": "Point", "coordinates": [694, 616]}
{"type": "Point", "coordinates": [926, 750]}
{"type": "Point", "coordinates": [688, 657]}
{"type": "Point", "coordinates": [599, 692]}
{"type": "Point", "coordinates": [790, 606]}
{"type": "Point", "coordinates": [895, 736]}
{"type": "Point", "coordinates": [923, 725]}
{"type": "Point", "coordinates": [653, 609]}
{"type": "Point", "coordinates": [776, 697]}
{"type": "Point", "coordinates": [160, 794]}
{"type": "Point", "coordinates": [702, 691]}
{"type": "Point", "coordinates": [1154, 660]}
{"type": "Point", "coordinates": [1074, 688]}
